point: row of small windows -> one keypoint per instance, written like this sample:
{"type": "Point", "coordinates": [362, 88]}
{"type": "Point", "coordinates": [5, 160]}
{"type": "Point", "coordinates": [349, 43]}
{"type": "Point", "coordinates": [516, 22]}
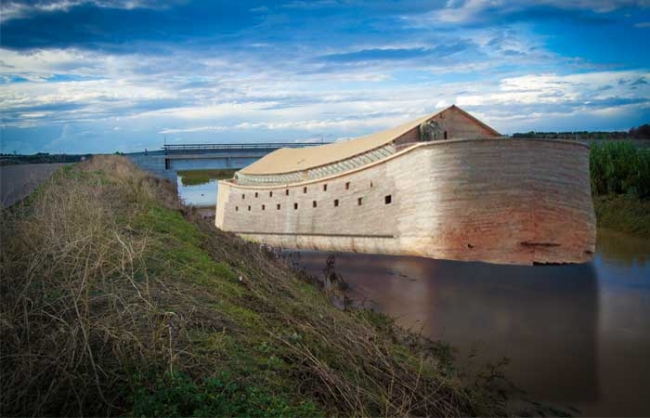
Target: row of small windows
{"type": "Point", "coordinates": [304, 190]}
{"type": "Point", "coordinates": [387, 201]}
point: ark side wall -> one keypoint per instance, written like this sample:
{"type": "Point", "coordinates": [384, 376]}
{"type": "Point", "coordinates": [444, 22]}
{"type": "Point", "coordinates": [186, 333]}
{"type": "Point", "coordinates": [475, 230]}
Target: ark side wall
{"type": "Point", "coordinates": [502, 201]}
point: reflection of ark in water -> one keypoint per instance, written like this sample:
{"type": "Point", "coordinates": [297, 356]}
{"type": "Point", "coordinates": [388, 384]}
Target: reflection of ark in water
{"type": "Point", "coordinates": [442, 186]}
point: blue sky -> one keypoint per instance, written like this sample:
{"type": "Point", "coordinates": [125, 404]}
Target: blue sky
{"type": "Point", "coordinates": [124, 75]}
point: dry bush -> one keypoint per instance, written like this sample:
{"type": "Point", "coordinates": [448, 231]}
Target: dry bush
{"type": "Point", "coordinates": [78, 307]}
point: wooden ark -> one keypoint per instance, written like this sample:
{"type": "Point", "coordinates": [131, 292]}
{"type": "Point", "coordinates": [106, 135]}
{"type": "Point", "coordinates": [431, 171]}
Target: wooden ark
{"type": "Point", "coordinates": [443, 186]}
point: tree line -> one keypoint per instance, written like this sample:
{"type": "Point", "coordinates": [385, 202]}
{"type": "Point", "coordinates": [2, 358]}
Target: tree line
{"type": "Point", "coordinates": [640, 132]}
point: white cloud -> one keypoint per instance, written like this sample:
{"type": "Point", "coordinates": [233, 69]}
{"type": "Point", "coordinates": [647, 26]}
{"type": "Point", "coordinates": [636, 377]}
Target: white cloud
{"type": "Point", "coordinates": [21, 9]}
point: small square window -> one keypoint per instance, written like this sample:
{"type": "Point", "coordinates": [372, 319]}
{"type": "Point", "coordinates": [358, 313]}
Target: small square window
{"type": "Point", "coordinates": [336, 203]}
{"type": "Point", "coordinates": [304, 190]}
{"type": "Point", "coordinates": [287, 192]}
{"type": "Point", "coordinates": [243, 196]}
{"type": "Point", "coordinates": [255, 194]}
{"type": "Point", "coordinates": [324, 187]}
{"type": "Point", "coordinates": [270, 194]}
{"type": "Point", "coordinates": [388, 199]}
{"type": "Point", "coordinates": [295, 206]}
{"type": "Point", "coordinates": [360, 201]}
{"type": "Point", "coordinates": [347, 186]}
{"type": "Point", "coordinates": [314, 204]}
{"type": "Point", "coordinates": [278, 206]}
{"type": "Point", "coordinates": [263, 207]}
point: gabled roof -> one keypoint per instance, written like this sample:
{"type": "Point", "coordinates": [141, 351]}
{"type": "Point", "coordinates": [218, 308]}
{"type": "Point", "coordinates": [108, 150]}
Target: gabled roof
{"type": "Point", "coordinates": [289, 160]}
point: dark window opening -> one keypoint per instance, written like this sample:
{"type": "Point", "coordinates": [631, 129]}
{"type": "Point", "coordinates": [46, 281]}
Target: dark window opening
{"type": "Point", "coordinates": [295, 206]}
{"type": "Point", "coordinates": [255, 194]}
{"type": "Point", "coordinates": [287, 192]}
{"type": "Point", "coordinates": [263, 207]}
{"type": "Point", "coordinates": [336, 202]}
{"type": "Point", "coordinates": [324, 187]}
{"type": "Point", "coordinates": [347, 186]}
{"type": "Point", "coordinates": [249, 208]}
{"type": "Point", "coordinates": [445, 134]}
{"type": "Point", "coordinates": [371, 185]}
{"type": "Point", "coordinates": [236, 208]}
{"type": "Point", "coordinates": [304, 190]}
{"type": "Point", "coordinates": [388, 199]}
{"type": "Point", "coordinates": [243, 196]}
{"type": "Point", "coordinates": [314, 204]}
{"type": "Point", "coordinates": [278, 206]}
{"type": "Point", "coordinates": [360, 201]}
{"type": "Point", "coordinates": [270, 194]}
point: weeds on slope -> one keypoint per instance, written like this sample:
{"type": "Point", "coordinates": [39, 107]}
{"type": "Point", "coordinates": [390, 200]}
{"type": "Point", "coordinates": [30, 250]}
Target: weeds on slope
{"type": "Point", "coordinates": [117, 300]}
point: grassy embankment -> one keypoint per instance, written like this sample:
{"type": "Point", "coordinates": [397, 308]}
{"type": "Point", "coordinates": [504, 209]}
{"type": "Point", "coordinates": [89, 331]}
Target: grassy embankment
{"type": "Point", "coordinates": [116, 300]}
{"type": "Point", "coordinates": [620, 182]}
{"type": "Point", "coordinates": [194, 177]}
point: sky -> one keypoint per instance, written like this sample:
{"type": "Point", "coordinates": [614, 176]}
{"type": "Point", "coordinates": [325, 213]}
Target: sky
{"type": "Point", "coordinates": [94, 76]}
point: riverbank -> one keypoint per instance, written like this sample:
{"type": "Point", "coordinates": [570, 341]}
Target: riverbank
{"type": "Point", "coordinates": [118, 300]}
{"type": "Point", "coordinates": [623, 213]}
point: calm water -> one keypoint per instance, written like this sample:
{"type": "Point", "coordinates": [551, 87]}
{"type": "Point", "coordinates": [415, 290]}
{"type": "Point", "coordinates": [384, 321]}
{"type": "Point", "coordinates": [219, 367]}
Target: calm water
{"type": "Point", "coordinates": [575, 335]}
{"type": "Point", "coordinates": [201, 195]}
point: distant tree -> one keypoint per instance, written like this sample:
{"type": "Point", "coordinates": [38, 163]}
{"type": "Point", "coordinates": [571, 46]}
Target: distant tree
{"type": "Point", "coordinates": [642, 132]}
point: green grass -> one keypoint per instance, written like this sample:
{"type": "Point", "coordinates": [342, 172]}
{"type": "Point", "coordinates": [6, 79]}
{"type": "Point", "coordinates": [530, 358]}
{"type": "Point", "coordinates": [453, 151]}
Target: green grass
{"type": "Point", "coordinates": [196, 177]}
{"type": "Point", "coordinates": [620, 183]}
{"type": "Point", "coordinates": [118, 300]}
{"type": "Point", "coordinates": [623, 213]}
{"type": "Point", "coordinates": [620, 168]}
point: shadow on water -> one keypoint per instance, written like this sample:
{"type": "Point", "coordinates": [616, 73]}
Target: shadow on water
{"type": "Point", "coordinates": [543, 318]}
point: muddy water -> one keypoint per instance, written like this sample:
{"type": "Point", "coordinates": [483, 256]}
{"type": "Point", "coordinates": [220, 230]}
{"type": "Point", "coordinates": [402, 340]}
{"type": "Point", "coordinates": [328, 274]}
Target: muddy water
{"type": "Point", "coordinates": [18, 181]}
{"type": "Point", "coordinates": [576, 335]}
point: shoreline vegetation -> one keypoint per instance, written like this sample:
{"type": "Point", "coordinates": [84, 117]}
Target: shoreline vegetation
{"type": "Point", "coordinates": [197, 177]}
{"type": "Point", "coordinates": [117, 300]}
{"type": "Point", "coordinates": [620, 185]}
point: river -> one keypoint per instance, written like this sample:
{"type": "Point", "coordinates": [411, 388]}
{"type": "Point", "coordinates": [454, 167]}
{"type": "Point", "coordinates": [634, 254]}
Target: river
{"type": "Point", "coordinates": [18, 181]}
{"type": "Point", "coordinates": [575, 335]}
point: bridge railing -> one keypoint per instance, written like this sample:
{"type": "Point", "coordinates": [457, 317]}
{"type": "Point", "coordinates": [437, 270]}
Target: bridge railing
{"type": "Point", "coordinates": [175, 148]}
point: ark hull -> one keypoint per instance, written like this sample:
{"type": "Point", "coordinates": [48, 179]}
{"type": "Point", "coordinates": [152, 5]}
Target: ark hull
{"type": "Point", "coordinates": [514, 201]}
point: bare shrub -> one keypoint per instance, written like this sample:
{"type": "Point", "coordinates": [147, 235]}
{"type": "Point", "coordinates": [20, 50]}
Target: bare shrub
{"type": "Point", "coordinates": [78, 307]}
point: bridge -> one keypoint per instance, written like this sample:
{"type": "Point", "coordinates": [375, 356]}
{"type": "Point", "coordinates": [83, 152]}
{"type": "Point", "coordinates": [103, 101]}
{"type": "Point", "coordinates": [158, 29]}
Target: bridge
{"type": "Point", "coordinates": [217, 156]}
